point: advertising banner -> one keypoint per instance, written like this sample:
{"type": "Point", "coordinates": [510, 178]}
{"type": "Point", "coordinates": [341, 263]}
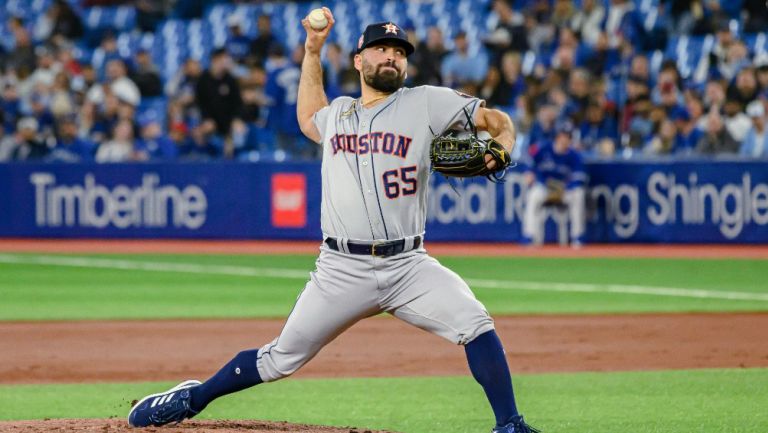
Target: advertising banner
{"type": "Point", "coordinates": [684, 202]}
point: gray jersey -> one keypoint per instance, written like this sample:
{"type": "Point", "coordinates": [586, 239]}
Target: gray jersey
{"type": "Point", "coordinates": [376, 160]}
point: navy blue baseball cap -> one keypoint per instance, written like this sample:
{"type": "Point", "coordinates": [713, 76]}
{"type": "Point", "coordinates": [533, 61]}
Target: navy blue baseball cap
{"type": "Point", "coordinates": [386, 31]}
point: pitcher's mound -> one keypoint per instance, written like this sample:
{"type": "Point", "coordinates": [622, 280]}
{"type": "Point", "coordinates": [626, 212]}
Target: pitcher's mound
{"type": "Point", "coordinates": [121, 426]}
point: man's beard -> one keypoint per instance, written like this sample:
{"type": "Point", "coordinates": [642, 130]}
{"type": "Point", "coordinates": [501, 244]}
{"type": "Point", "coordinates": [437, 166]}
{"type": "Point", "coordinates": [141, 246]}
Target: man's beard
{"type": "Point", "coordinates": [385, 81]}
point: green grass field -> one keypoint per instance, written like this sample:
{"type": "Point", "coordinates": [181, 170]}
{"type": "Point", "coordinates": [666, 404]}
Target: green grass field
{"type": "Point", "coordinates": [48, 287]}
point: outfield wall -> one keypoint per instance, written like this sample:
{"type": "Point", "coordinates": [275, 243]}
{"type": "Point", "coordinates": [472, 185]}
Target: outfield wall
{"type": "Point", "coordinates": [684, 202]}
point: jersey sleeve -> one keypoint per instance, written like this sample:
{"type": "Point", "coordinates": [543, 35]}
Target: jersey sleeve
{"type": "Point", "coordinates": [320, 118]}
{"type": "Point", "coordinates": [445, 108]}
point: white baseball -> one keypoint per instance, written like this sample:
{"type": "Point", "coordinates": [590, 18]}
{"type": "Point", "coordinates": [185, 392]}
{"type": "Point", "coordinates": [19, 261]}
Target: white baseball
{"type": "Point", "coordinates": [317, 19]}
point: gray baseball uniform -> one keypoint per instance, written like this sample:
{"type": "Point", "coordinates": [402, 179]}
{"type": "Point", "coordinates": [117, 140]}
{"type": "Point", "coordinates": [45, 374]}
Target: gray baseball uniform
{"type": "Point", "coordinates": [374, 173]}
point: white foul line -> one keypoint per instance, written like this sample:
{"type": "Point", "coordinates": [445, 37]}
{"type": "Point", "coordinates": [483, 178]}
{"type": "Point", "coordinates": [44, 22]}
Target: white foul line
{"type": "Point", "coordinates": [243, 271]}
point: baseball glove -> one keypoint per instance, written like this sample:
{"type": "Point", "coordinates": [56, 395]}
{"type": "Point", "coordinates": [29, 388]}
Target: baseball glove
{"type": "Point", "coordinates": [458, 155]}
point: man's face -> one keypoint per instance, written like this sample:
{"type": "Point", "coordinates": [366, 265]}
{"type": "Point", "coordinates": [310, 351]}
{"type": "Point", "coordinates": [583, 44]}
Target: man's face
{"type": "Point", "coordinates": [69, 130]}
{"type": "Point", "coordinates": [383, 66]}
{"type": "Point", "coordinates": [562, 142]}
{"type": "Point", "coordinates": [115, 69]}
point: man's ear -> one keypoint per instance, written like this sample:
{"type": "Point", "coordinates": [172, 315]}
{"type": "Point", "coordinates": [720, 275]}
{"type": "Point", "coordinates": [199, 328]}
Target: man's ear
{"type": "Point", "coordinates": [358, 62]}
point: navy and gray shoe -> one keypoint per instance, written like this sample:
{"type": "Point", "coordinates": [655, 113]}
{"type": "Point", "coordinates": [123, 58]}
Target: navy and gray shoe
{"type": "Point", "coordinates": [165, 407]}
{"type": "Point", "coordinates": [517, 425]}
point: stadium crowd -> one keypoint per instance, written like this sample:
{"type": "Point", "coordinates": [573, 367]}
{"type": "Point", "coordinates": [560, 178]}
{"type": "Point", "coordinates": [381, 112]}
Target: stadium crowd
{"type": "Point", "coordinates": [592, 64]}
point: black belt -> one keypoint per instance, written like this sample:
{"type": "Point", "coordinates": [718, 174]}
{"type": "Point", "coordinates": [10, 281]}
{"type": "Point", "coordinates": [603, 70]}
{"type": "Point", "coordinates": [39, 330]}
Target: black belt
{"type": "Point", "coordinates": [380, 249]}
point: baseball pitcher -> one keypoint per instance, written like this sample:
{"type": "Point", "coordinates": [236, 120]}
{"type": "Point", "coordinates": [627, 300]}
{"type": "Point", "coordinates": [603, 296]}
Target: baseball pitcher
{"type": "Point", "coordinates": [378, 153]}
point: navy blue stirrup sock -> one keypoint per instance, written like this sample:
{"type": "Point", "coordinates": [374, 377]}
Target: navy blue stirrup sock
{"type": "Point", "coordinates": [239, 373]}
{"type": "Point", "coordinates": [485, 356]}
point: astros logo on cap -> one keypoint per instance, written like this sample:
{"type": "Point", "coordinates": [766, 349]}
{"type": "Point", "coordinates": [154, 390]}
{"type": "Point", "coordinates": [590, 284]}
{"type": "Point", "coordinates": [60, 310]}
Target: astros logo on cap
{"type": "Point", "coordinates": [390, 28]}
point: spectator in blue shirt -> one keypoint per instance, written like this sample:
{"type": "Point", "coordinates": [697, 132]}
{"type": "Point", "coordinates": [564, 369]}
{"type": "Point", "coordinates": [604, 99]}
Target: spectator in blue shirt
{"type": "Point", "coordinates": [461, 68]}
{"type": "Point", "coordinates": [202, 144]}
{"type": "Point", "coordinates": [40, 110]}
{"type": "Point", "coordinates": [688, 136]}
{"type": "Point", "coordinates": [596, 126]}
{"type": "Point", "coordinates": [69, 147]}
{"type": "Point", "coordinates": [153, 142]}
{"type": "Point", "coordinates": [556, 177]}
{"type": "Point", "coordinates": [543, 129]}
{"type": "Point", "coordinates": [755, 144]}
{"type": "Point", "coordinates": [282, 90]}
{"type": "Point", "coordinates": [238, 43]}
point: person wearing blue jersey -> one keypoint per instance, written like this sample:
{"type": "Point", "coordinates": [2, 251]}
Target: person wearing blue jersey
{"type": "Point", "coordinates": [555, 177]}
{"type": "Point", "coordinates": [282, 88]}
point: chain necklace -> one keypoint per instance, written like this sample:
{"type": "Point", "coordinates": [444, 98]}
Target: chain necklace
{"type": "Point", "coordinates": [366, 104]}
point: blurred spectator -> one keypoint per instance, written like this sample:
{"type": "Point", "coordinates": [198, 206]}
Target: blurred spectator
{"type": "Point", "coordinates": [149, 13]}
{"type": "Point", "coordinates": [334, 68]}
{"type": "Point", "coordinates": [39, 104]}
{"type": "Point", "coordinates": [462, 68]}
{"type": "Point", "coordinates": [663, 140]}
{"type": "Point", "coordinates": [622, 23]}
{"type": "Point", "coordinates": [556, 177]}
{"type": "Point", "coordinates": [578, 94]}
{"type": "Point", "coordinates": [588, 21]}
{"type": "Point", "coordinates": [716, 139]}
{"type": "Point", "coordinates": [22, 57]}
{"type": "Point", "coordinates": [735, 120]}
{"type": "Point", "coordinates": [184, 82]}
{"type": "Point", "coordinates": [563, 12]}
{"type": "Point", "coordinates": [602, 57]}
{"type": "Point", "coordinates": [724, 38]}
{"type": "Point", "coordinates": [11, 107]}
{"type": "Point", "coordinates": [238, 44]}
{"type": "Point", "coordinates": [424, 63]}
{"type": "Point", "coordinates": [606, 149]}
{"type": "Point", "coordinates": [714, 95]}
{"type": "Point", "coordinates": [755, 143]}
{"type": "Point", "coordinates": [756, 16]}
{"type": "Point", "coordinates": [202, 143]}
{"type": "Point", "coordinates": [59, 20]}
{"type": "Point", "coordinates": [65, 57]}
{"type": "Point", "coordinates": [640, 69]}
{"type": "Point", "coordinates": [146, 75]}
{"type": "Point", "coordinates": [218, 93]}
{"type": "Point", "coordinates": [104, 53]}
{"type": "Point", "coordinates": [265, 40]}
{"type": "Point", "coordinates": [120, 148]}
{"type": "Point", "coordinates": [119, 84]}
{"type": "Point", "coordinates": [282, 82]}
{"type": "Point", "coordinates": [595, 127]}
{"type": "Point", "coordinates": [510, 84]}
{"type": "Point", "coordinates": [762, 72]}
{"type": "Point", "coordinates": [695, 107]}
{"type": "Point", "coordinates": [69, 147]}
{"type": "Point", "coordinates": [640, 126]}
{"type": "Point", "coordinates": [543, 129]}
{"type": "Point", "coordinates": [538, 26]}
{"type": "Point", "coordinates": [687, 134]}
{"type": "Point", "coordinates": [509, 34]}
{"type": "Point", "coordinates": [683, 14]}
{"type": "Point", "coordinates": [737, 57]}
{"type": "Point", "coordinates": [7, 146]}
{"type": "Point", "coordinates": [153, 144]}
{"type": "Point", "coordinates": [744, 88]}
{"type": "Point", "coordinates": [29, 145]}
{"type": "Point", "coordinates": [46, 70]}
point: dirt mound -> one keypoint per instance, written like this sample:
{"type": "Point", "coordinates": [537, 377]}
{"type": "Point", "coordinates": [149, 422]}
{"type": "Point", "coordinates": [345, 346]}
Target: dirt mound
{"type": "Point", "coordinates": [119, 426]}
{"type": "Point", "coordinates": [115, 351]}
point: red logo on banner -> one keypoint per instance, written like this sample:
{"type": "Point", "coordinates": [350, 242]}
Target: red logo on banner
{"type": "Point", "coordinates": [289, 200]}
